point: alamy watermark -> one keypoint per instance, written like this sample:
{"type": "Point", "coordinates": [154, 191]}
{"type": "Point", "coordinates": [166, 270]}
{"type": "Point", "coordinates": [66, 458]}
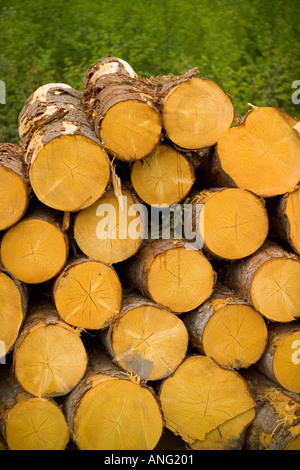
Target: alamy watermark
{"type": "Point", "coordinates": [180, 221]}
{"type": "Point", "coordinates": [2, 92]}
{"type": "Point", "coordinates": [2, 352]}
{"type": "Point", "coordinates": [296, 94]}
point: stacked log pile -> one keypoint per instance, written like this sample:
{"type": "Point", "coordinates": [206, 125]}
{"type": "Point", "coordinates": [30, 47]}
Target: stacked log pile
{"type": "Point", "coordinates": [150, 268]}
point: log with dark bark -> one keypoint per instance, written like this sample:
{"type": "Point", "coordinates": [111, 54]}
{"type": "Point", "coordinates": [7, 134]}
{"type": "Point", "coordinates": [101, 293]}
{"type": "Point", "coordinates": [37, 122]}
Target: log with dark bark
{"type": "Point", "coordinates": [276, 425]}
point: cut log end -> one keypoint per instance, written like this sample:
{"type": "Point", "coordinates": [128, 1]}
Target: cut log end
{"type": "Point", "coordinates": [275, 289]}
{"type": "Point", "coordinates": [88, 294]}
{"type": "Point", "coordinates": [110, 230]}
{"type": "Point", "coordinates": [201, 396]}
{"type": "Point", "coordinates": [13, 197]}
{"type": "Point", "coordinates": [235, 336]}
{"type": "Point", "coordinates": [292, 212]}
{"type": "Point", "coordinates": [235, 223]}
{"type": "Point", "coordinates": [148, 341]}
{"type": "Point", "coordinates": [130, 130]}
{"type": "Point", "coordinates": [34, 250]}
{"type": "Point", "coordinates": [196, 113]}
{"type": "Point", "coordinates": [180, 279]}
{"type": "Point", "coordinates": [261, 154]}
{"type": "Point", "coordinates": [49, 356]}
{"type": "Point", "coordinates": [36, 424]}
{"type": "Point", "coordinates": [70, 173]}
{"type": "Point", "coordinates": [12, 312]}
{"type": "Point", "coordinates": [165, 177]}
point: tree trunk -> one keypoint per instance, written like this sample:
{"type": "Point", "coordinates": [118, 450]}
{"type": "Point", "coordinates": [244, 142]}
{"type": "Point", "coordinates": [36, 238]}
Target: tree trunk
{"type": "Point", "coordinates": [227, 329]}
{"type": "Point", "coordinates": [87, 293]}
{"type": "Point", "coordinates": [68, 168]}
{"type": "Point", "coordinates": [277, 424]}
{"type": "Point", "coordinates": [201, 397]}
{"type": "Point", "coordinates": [13, 308]}
{"type": "Point", "coordinates": [281, 359]}
{"type": "Point", "coordinates": [123, 110]}
{"type": "Point", "coordinates": [14, 186]}
{"type": "Point", "coordinates": [166, 177]}
{"type": "Point", "coordinates": [264, 144]}
{"type": "Point", "coordinates": [284, 214]}
{"type": "Point", "coordinates": [49, 356]}
{"type": "Point", "coordinates": [112, 229]}
{"type": "Point", "coordinates": [145, 339]}
{"type": "Point", "coordinates": [234, 222]}
{"type": "Point", "coordinates": [108, 411]}
{"type": "Point", "coordinates": [196, 113]}
{"type": "Point", "coordinates": [172, 273]}
{"type": "Point", "coordinates": [35, 249]}
{"type": "Point", "coordinates": [269, 280]}
{"type": "Point", "coordinates": [28, 422]}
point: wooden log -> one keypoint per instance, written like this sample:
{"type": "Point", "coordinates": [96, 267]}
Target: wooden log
{"type": "Point", "coordinates": [227, 329]}
{"type": "Point", "coordinates": [14, 185]}
{"type": "Point", "coordinates": [124, 113]}
{"type": "Point", "coordinates": [284, 214]}
{"type": "Point", "coordinates": [196, 112]}
{"type": "Point", "coordinates": [87, 293]}
{"type": "Point", "coordinates": [281, 359]}
{"type": "Point", "coordinates": [229, 435]}
{"type": "Point", "coordinates": [201, 396]}
{"type": "Point", "coordinates": [234, 221]}
{"type": "Point", "coordinates": [145, 339]}
{"type": "Point", "coordinates": [109, 411]}
{"type": "Point", "coordinates": [112, 229]}
{"type": "Point", "coordinates": [13, 308]}
{"type": "Point", "coordinates": [276, 425]}
{"type": "Point", "coordinates": [35, 249]}
{"type": "Point", "coordinates": [165, 177]}
{"type": "Point", "coordinates": [68, 167]}
{"type": "Point", "coordinates": [269, 280]}
{"type": "Point", "coordinates": [28, 422]}
{"type": "Point", "coordinates": [49, 357]}
{"type": "Point", "coordinates": [259, 154]}
{"type": "Point", "coordinates": [173, 273]}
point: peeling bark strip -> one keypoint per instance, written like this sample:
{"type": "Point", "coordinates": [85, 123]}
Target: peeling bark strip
{"type": "Point", "coordinates": [269, 280]}
{"type": "Point", "coordinates": [68, 167]}
{"type": "Point", "coordinates": [172, 273]}
{"type": "Point", "coordinates": [145, 339]}
{"type": "Point", "coordinates": [228, 329]}
{"type": "Point", "coordinates": [28, 422]}
{"type": "Point", "coordinates": [110, 410]}
{"type": "Point", "coordinates": [276, 425]}
{"type": "Point", "coordinates": [49, 357]}
{"type": "Point", "coordinates": [14, 185]}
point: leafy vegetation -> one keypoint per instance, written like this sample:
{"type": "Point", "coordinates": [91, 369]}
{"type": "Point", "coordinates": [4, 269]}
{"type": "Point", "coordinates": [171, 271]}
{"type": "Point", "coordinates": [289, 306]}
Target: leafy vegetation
{"type": "Point", "coordinates": [249, 47]}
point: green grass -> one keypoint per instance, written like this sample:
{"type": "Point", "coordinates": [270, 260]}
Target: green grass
{"type": "Point", "coordinates": [249, 47]}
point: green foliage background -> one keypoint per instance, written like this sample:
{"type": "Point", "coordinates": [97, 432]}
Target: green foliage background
{"type": "Point", "coordinates": [249, 47]}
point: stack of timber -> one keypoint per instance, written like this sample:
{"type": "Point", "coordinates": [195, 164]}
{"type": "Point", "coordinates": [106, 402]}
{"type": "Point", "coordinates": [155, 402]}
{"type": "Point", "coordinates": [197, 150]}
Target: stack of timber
{"type": "Point", "coordinates": [149, 268]}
